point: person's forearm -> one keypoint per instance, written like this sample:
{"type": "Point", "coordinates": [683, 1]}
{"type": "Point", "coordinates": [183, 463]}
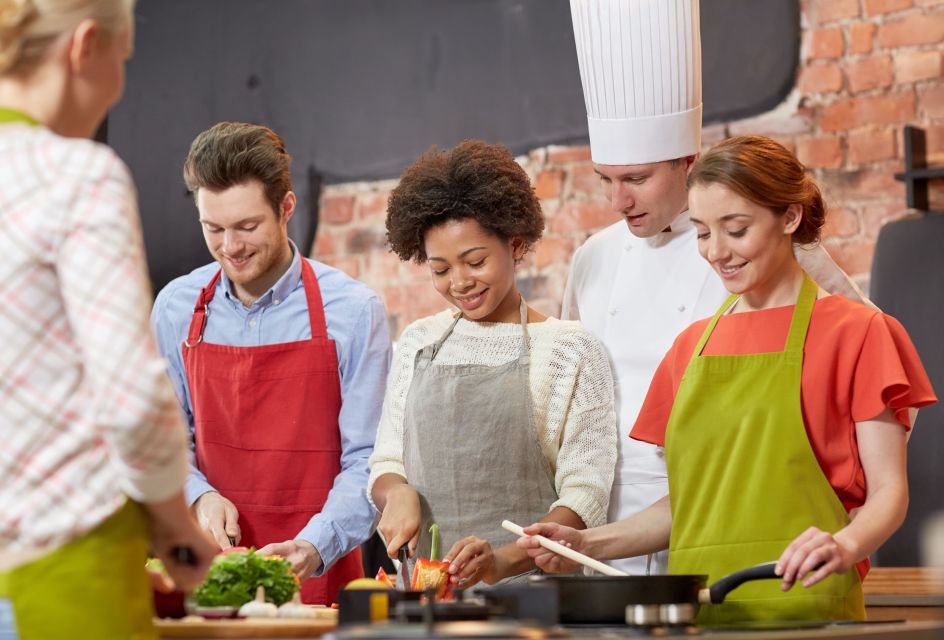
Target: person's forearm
{"type": "Point", "coordinates": [875, 522]}
{"type": "Point", "coordinates": [646, 532]}
{"type": "Point", "coordinates": [514, 560]}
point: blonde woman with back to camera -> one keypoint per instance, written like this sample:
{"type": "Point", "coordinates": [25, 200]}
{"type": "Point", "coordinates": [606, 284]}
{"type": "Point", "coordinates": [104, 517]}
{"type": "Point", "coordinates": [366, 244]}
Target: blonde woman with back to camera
{"type": "Point", "coordinates": [94, 455]}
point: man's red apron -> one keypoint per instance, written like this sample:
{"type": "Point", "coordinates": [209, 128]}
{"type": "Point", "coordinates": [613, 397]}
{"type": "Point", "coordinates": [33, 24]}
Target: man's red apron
{"type": "Point", "coordinates": [267, 437]}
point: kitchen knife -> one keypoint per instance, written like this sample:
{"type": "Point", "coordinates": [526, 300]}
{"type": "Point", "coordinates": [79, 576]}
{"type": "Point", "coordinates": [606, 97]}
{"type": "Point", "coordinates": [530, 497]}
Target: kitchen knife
{"type": "Point", "coordinates": [403, 581]}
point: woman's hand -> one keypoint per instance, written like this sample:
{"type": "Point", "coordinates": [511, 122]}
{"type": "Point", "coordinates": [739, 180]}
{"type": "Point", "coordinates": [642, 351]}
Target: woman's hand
{"type": "Point", "coordinates": [548, 561]}
{"type": "Point", "coordinates": [400, 522]}
{"type": "Point", "coordinates": [171, 527]}
{"type": "Point", "coordinates": [472, 560]}
{"type": "Point", "coordinates": [813, 551]}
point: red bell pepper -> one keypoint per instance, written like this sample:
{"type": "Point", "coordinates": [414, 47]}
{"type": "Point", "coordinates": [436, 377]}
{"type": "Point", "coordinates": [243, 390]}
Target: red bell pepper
{"type": "Point", "coordinates": [433, 573]}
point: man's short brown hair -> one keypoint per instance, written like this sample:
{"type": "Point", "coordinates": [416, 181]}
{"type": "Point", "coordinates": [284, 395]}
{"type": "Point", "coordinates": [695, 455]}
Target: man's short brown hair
{"type": "Point", "coordinates": [232, 153]}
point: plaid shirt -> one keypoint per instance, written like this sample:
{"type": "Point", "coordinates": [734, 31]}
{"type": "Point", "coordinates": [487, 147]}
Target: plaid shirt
{"type": "Point", "coordinates": [87, 415]}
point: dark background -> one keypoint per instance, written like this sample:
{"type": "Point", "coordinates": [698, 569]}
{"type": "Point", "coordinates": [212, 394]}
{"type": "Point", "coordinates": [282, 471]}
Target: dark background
{"type": "Point", "coordinates": [360, 88]}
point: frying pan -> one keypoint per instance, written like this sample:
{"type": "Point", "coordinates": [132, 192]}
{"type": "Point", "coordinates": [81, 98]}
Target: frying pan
{"type": "Point", "coordinates": [603, 599]}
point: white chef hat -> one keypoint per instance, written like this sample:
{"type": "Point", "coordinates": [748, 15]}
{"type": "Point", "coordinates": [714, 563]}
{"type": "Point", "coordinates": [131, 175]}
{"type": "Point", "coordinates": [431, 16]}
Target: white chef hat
{"type": "Point", "coordinates": [640, 65]}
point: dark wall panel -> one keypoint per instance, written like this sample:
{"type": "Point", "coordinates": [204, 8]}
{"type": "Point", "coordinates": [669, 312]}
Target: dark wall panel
{"type": "Point", "coordinates": [359, 88]}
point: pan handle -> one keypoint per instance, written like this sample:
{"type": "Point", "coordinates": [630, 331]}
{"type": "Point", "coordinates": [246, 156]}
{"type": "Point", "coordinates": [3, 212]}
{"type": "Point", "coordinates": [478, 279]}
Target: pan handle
{"type": "Point", "coordinates": [716, 593]}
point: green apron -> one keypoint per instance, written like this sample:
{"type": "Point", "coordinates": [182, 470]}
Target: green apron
{"type": "Point", "coordinates": [12, 115]}
{"type": "Point", "coordinates": [92, 587]}
{"type": "Point", "coordinates": [744, 481]}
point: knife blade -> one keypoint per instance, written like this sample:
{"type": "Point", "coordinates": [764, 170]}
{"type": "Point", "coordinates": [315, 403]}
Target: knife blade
{"type": "Point", "coordinates": [402, 580]}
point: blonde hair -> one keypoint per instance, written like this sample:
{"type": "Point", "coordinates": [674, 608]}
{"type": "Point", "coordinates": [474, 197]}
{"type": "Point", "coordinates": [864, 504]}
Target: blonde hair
{"type": "Point", "coordinates": [28, 28]}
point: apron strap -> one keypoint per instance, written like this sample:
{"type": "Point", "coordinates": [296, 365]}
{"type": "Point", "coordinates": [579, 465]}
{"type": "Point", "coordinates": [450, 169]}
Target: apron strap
{"type": "Point", "coordinates": [525, 346]}
{"type": "Point", "coordinates": [201, 312]}
{"type": "Point", "coordinates": [316, 315]}
{"type": "Point", "coordinates": [711, 325]}
{"type": "Point", "coordinates": [802, 313]}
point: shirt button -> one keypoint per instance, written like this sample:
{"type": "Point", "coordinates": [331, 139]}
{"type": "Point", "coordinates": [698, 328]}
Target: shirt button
{"type": "Point", "coordinates": [276, 301]}
{"type": "Point", "coordinates": [628, 248]}
{"type": "Point", "coordinates": [252, 323]}
{"type": "Point", "coordinates": [613, 311]}
{"type": "Point", "coordinates": [681, 308]}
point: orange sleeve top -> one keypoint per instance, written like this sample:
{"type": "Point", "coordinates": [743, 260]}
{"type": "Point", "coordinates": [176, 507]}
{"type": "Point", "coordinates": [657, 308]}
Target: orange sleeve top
{"type": "Point", "coordinates": [856, 362]}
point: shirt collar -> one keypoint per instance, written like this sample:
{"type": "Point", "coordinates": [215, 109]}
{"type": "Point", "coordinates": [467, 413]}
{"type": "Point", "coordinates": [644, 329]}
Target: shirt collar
{"type": "Point", "coordinates": [680, 226]}
{"type": "Point", "coordinates": [279, 291]}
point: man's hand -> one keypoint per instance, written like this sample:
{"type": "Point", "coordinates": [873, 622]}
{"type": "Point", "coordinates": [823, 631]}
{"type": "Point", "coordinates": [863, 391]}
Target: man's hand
{"type": "Point", "coordinates": [302, 555]}
{"type": "Point", "coordinates": [218, 517]}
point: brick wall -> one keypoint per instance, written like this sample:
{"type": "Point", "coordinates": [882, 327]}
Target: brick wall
{"type": "Point", "coordinates": [868, 67]}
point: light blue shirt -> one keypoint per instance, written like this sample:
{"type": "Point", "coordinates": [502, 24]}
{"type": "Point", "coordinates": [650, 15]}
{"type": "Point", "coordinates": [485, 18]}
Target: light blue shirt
{"type": "Point", "coordinates": [357, 323]}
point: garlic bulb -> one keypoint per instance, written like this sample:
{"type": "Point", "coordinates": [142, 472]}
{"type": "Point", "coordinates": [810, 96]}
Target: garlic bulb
{"type": "Point", "coordinates": [259, 608]}
{"type": "Point", "coordinates": [295, 609]}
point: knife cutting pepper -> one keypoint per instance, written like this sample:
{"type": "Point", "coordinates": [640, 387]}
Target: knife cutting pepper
{"type": "Point", "coordinates": [431, 573]}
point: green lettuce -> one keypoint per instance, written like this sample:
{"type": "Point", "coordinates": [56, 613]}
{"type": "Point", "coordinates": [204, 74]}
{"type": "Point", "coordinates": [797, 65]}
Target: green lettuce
{"type": "Point", "coordinates": [234, 577]}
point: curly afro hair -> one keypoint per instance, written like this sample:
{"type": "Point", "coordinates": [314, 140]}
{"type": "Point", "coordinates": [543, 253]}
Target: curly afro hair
{"type": "Point", "coordinates": [472, 180]}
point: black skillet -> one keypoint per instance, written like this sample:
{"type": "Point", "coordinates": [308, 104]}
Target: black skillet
{"type": "Point", "coordinates": [603, 599]}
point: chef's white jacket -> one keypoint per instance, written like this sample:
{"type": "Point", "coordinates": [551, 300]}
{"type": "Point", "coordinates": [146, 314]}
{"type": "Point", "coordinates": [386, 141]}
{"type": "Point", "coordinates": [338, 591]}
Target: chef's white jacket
{"type": "Point", "coordinates": [636, 295]}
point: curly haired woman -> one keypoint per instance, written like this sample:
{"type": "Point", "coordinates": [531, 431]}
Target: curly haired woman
{"type": "Point", "coordinates": [493, 411]}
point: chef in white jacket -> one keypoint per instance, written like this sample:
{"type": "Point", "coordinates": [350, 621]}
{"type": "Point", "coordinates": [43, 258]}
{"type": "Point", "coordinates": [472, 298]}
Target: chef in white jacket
{"type": "Point", "coordinates": [637, 283]}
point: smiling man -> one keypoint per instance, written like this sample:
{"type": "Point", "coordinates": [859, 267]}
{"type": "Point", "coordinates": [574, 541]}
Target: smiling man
{"type": "Point", "coordinates": [280, 364]}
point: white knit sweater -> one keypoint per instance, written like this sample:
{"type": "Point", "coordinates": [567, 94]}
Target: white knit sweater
{"type": "Point", "coordinates": [571, 389]}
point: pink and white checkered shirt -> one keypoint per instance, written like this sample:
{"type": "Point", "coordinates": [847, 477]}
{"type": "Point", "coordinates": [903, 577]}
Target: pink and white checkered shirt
{"type": "Point", "coordinates": [87, 415]}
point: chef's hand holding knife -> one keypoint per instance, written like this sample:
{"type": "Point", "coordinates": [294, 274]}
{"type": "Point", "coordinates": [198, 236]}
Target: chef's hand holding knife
{"type": "Point", "coordinates": [218, 517]}
{"type": "Point", "coordinates": [548, 561]}
{"type": "Point", "coordinates": [400, 519]}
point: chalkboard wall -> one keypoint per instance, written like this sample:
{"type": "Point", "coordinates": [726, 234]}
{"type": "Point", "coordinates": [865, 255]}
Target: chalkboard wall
{"type": "Point", "coordinates": [359, 88]}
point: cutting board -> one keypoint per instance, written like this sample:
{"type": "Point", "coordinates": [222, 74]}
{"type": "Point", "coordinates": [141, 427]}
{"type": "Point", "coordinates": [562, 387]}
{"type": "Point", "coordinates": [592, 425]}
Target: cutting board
{"type": "Point", "coordinates": [247, 627]}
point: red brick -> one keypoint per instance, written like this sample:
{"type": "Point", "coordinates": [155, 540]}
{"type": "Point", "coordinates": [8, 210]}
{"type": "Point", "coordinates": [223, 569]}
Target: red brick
{"type": "Point", "coordinates": [860, 37]}
{"type": "Point", "coordinates": [868, 145]}
{"type": "Point", "coordinates": [870, 73]}
{"type": "Point", "coordinates": [337, 209]}
{"type": "Point", "coordinates": [934, 139]}
{"type": "Point", "coordinates": [393, 298]}
{"type": "Point", "coordinates": [875, 216]}
{"type": "Point", "coordinates": [548, 184]}
{"type": "Point", "coordinates": [364, 240]}
{"type": "Point", "coordinates": [833, 10]}
{"type": "Point", "coordinates": [713, 134]}
{"type": "Point", "coordinates": [928, 3]}
{"type": "Point", "coordinates": [587, 215]}
{"type": "Point", "coordinates": [931, 103]}
{"type": "Point", "coordinates": [550, 250]}
{"type": "Point", "coordinates": [561, 155]}
{"type": "Point", "coordinates": [915, 66]}
{"type": "Point", "coordinates": [820, 78]}
{"type": "Point", "coordinates": [920, 28]}
{"type": "Point", "coordinates": [936, 194]}
{"type": "Point", "coordinates": [412, 272]}
{"type": "Point", "coordinates": [840, 222]}
{"type": "Point", "coordinates": [372, 206]}
{"type": "Point", "coordinates": [856, 112]}
{"type": "Point", "coordinates": [878, 7]}
{"type": "Point", "coordinates": [348, 264]}
{"type": "Point", "coordinates": [381, 267]}
{"type": "Point", "coordinates": [824, 43]}
{"type": "Point", "coordinates": [865, 184]}
{"type": "Point", "coordinates": [820, 152]}
{"type": "Point", "coordinates": [584, 180]}
{"type": "Point", "coordinates": [325, 245]}
{"type": "Point", "coordinates": [854, 256]}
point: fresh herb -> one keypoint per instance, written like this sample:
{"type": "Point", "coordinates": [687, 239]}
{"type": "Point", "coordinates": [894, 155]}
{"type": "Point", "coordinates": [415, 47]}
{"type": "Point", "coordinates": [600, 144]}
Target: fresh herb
{"type": "Point", "coordinates": [233, 579]}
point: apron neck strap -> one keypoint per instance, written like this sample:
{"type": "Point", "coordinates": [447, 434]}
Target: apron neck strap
{"type": "Point", "coordinates": [799, 324]}
{"type": "Point", "coordinates": [525, 347]}
{"type": "Point", "coordinates": [802, 313]}
{"type": "Point", "coordinates": [316, 317]}
{"type": "Point", "coordinates": [14, 115]}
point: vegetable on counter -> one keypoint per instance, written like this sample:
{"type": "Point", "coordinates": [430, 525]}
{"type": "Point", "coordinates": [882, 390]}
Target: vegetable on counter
{"type": "Point", "coordinates": [235, 576]}
{"type": "Point", "coordinates": [432, 573]}
{"type": "Point", "coordinates": [259, 608]}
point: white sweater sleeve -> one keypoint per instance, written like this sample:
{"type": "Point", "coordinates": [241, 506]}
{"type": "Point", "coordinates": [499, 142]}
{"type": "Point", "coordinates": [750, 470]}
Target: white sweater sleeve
{"type": "Point", "coordinates": [586, 459]}
{"type": "Point", "coordinates": [388, 448]}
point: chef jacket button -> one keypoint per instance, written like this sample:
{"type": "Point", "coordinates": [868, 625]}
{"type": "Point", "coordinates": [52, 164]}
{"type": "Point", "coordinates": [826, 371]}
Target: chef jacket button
{"type": "Point", "coordinates": [252, 323]}
{"type": "Point", "coordinates": [628, 248]}
{"type": "Point", "coordinates": [681, 308]}
{"type": "Point", "coordinates": [613, 311]}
